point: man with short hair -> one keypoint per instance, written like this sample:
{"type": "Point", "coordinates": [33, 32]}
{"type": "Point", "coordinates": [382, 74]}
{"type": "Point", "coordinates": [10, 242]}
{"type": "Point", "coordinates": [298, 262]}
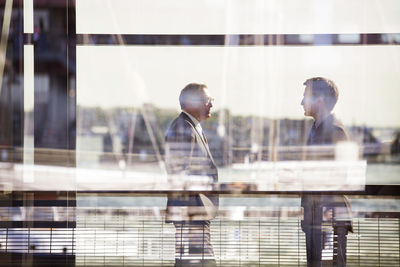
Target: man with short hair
{"type": "Point", "coordinates": [320, 97]}
{"type": "Point", "coordinates": [188, 157]}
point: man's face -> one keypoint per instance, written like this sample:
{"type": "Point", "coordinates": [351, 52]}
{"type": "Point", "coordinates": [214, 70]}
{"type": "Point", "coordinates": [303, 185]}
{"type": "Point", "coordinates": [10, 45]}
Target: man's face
{"type": "Point", "coordinates": [206, 105]}
{"type": "Point", "coordinates": [309, 102]}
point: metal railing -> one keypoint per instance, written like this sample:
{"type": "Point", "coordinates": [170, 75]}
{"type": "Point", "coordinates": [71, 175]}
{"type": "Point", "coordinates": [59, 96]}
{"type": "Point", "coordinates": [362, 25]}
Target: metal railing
{"type": "Point", "coordinates": [120, 235]}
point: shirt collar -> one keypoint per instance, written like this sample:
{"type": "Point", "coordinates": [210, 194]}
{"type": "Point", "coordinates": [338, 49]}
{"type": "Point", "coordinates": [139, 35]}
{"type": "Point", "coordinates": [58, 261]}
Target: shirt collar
{"type": "Point", "coordinates": [196, 122]}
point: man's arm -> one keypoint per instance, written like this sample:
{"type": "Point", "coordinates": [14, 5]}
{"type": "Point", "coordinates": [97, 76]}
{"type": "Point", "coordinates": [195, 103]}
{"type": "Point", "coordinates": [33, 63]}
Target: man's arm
{"type": "Point", "coordinates": [178, 151]}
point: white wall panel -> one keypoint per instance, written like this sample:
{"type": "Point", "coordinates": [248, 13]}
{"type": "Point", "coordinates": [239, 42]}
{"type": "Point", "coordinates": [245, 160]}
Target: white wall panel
{"type": "Point", "coordinates": [237, 16]}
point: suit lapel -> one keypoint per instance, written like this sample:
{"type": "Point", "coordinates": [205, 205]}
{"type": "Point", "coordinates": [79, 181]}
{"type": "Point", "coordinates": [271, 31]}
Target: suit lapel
{"type": "Point", "coordinates": [199, 135]}
{"type": "Point", "coordinates": [207, 148]}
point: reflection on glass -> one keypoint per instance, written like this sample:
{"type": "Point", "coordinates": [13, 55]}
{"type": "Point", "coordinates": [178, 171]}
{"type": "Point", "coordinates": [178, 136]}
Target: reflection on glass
{"type": "Point", "coordinates": [89, 167]}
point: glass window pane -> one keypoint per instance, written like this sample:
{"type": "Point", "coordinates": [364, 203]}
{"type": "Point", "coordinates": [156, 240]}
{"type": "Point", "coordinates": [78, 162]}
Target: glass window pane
{"type": "Point", "coordinates": [237, 17]}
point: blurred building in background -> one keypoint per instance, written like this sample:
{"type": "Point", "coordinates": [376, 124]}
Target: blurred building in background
{"type": "Point", "coordinates": [89, 88]}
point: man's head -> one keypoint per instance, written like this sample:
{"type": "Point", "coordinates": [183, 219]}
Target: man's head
{"type": "Point", "coordinates": [196, 101]}
{"type": "Point", "coordinates": [320, 97]}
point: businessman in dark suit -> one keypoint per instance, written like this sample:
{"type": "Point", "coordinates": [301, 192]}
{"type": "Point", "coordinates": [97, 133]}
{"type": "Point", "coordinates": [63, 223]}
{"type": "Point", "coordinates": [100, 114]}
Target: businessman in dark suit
{"type": "Point", "coordinates": [320, 97]}
{"type": "Point", "coordinates": [188, 158]}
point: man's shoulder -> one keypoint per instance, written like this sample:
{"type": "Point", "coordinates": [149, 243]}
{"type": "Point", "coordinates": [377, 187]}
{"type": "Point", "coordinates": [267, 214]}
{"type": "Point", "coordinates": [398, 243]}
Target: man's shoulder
{"type": "Point", "coordinates": [182, 121]}
{"type": "Point", "coordinates": [338, 130]}
{"type": "Point", "coordinates": [332, 123]}
{"type": "Point", "coordinates": [331, 131]}
{"type": "Point", "coordinates": [180, 126]}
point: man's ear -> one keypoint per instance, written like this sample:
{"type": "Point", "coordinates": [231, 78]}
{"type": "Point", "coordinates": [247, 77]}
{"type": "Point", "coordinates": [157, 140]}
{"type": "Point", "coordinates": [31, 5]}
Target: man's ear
{"type": "Point", "coordinates": [321, 100]}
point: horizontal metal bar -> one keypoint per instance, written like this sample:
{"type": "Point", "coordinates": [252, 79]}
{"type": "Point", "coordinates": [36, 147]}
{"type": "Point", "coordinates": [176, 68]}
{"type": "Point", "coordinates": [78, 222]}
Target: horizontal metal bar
{"type": "Point", "coordinates": [238, 39]}
{"type": "Point", "coordinates": [392, 191]}
{"type": "Point", "coordinates": [37, 224]}
{"type": "Point", "coordinates": [38, 203]}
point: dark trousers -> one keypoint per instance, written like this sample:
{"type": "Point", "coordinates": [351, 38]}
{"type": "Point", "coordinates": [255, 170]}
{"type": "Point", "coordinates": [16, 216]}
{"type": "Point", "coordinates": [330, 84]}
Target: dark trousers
{"type": "Point", "coordinates": [340, 239]}
{"type": "Point", "coordinates": [313, 245]}
{"type": "Point", "coordinates": [193, 244]}
{"type": "Point", "coordinates": [312, 227]}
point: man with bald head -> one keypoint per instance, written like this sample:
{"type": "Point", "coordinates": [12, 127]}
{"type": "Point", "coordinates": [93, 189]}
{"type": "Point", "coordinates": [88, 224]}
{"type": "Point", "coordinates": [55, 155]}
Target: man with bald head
{"type": "Point", "coordinates": [188, 156]}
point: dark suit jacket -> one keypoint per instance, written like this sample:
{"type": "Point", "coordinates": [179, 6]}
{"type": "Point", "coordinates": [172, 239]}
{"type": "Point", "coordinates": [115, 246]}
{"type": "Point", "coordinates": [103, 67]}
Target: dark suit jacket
{"type": "Point", "coordinates": [329, 132]}
{"type": "Point", "coordinates": [187, 154]}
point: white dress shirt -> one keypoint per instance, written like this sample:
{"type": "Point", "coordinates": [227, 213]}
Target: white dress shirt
{"type": "Point", "coordinates": [197, 125]}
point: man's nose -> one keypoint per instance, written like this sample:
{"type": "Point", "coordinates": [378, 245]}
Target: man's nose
{"type": "Point", "coordinates": [302, 102]}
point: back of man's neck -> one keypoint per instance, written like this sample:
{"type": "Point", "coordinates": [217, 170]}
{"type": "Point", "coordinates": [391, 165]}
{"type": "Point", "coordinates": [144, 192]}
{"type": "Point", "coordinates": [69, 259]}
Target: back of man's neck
{"type": "Point", "coordinates": [191, 116]}
{"type": "Point", "coordinates": [320, 118]}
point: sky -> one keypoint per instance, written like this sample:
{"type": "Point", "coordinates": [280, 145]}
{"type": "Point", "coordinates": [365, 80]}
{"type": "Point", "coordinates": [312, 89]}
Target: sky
{"type": "Point", "coordinates": [265, 81]}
